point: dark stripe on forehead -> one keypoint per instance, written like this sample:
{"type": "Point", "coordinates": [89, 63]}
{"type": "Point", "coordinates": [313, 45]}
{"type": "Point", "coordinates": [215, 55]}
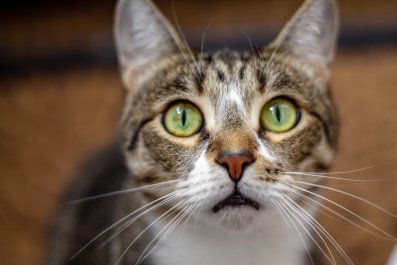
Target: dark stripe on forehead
{"type": "Point", "coordinates": [228, 58]}
{"type": "Point", "coordinates": [208, 58]}
{"type": "Point", "coordinates": [262, 79]}
{"type": "Point", "coordinates": [182, 83]}
{"type": "Point", "coordinates": [199, 80]}
{"type": "Point", "coordinates": [282, 81]}
{"type": "Point", "coordinates": [220, 75]}
{"type": "Point", "coordinates": [179, 83]}
{"type": "Point", "coordinates": [189, 75]}
{"type": "Point", "coordinates": [242, 72]}
{"type": "Point", "coordinates": [203, 61]}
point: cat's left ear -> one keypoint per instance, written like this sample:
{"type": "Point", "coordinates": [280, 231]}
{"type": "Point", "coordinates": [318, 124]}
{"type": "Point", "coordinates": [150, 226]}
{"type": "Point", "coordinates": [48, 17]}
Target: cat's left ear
{"type": "Point", "coordinates": [311, 34]}
{"type": "Point", "coordinates": [143, 37]}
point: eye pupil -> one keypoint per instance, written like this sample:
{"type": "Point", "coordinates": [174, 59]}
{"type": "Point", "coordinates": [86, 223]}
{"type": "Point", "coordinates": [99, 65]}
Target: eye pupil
{"type": "Point", "coordinates": [277, 112]}
{"type": "Point", "coordinates": [183, 118]}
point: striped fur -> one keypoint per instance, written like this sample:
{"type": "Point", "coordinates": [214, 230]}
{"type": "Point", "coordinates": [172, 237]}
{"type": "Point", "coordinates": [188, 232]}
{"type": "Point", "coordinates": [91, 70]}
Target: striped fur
{"type": "Point", "coordinates": [230, 89]}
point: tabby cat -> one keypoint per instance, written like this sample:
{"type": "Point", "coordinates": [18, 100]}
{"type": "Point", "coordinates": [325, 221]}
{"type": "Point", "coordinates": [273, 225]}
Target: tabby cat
{"type": "Point", "coordinates": [207, 168]}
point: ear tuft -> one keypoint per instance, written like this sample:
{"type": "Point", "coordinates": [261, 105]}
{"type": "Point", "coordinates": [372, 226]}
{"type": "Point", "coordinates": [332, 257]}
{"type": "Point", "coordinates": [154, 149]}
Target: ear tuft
{"type": "Point", "coordinates": [311, 34]}
{"type": "Point", "coordinates": [143, 36]}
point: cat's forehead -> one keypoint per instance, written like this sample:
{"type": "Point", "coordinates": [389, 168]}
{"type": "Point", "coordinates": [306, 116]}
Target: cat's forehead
{"type": "Point", "coordinates": [242, 76]}
{"type": "Point", "coordinates": [227, 80]}
{"type": "Point", "coordinates": [229, 72]}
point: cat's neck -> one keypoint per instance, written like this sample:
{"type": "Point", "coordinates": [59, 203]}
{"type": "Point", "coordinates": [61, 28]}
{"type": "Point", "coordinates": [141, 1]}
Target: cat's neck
{"type": "Point", "coordinates": [273, 242]}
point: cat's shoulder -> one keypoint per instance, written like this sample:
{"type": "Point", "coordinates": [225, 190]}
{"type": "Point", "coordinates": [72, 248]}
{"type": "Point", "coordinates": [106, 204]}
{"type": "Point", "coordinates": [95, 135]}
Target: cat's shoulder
{"type": "Point", "coordinates": [79, 220]}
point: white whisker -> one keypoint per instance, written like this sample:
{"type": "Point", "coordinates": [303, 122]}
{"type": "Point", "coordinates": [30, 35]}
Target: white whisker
{"type": "Point", "coordinates": [249, 42]}
{"type": "Point", "coordinates": [204, 35]}
{"type": "Point", "coordinates": [307, 218]}
{"type": "Point", "coordinates": [329, 177]}
{"type": "Point", "coordinates": [309, 200]}
{"type": "Point", "coordinates": [280, 213]}
{"type": "Point", "coordinates": [289, 208]}
{"type": "Point", "coordinates": [314, 206]}
{"type": "Point", "coordinates": [169, 228]}
{"type": "Point", "coordinates": [350, 195]}
{"type": "Point", "coordinates": [184, 224]}
{"type": "Point", "coordinates": [161, 217]}
{"type": "Point", "coordinates": [120, 221]}
{"type": "Point", "coordinates": [196, 219]}
{"type": "Point", "coordinates": [120, 192]}
{"type": "Point", "coordinates": [185, 44]}
{"type": "Point", "coordinates": [317, 225]}
{"type": "Point", "coordinates": [348, 171]}
{"type": "Point", "coordinates": [347, 210]}
{"type": "Point", "coordinates": [164, 230]}
{"type": "Point", "coordinates": [128, 223]}
{"type": "Point", "coordinates": [282, 208]}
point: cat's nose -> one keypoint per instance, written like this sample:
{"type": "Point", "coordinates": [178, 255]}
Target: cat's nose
{"type": "Point", "coordinates": [235, 162]}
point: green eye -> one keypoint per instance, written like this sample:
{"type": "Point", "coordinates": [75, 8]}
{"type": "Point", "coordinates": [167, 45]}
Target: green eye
{"type": "Point", "coordinates": [279, 115]}
{"type": "Point", "coordinates": [183, 119]}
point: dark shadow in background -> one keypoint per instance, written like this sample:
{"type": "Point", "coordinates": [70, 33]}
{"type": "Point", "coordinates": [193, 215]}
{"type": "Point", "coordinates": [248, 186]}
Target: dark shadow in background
{"type": "Point", "coordinates": [100, 51]}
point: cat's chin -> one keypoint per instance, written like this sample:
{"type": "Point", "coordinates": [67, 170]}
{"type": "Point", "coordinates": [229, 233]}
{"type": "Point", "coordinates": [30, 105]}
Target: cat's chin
{"type": "Point", "coordinates": [237, 219]}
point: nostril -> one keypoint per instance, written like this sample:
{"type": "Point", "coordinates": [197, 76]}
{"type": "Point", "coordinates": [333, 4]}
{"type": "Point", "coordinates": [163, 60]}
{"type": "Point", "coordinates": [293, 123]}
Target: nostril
{"type": "Point", "coordinates": [245, 164]}
{"type": "Point", "coordinates": [225, 165]}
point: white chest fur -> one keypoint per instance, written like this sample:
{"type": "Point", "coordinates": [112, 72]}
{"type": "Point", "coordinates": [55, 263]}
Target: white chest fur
{"type": "Point", "coordinates": [271, 243]}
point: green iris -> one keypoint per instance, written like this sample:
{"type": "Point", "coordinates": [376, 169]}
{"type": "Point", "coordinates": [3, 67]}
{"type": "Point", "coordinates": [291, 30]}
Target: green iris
{"type": "Point", "coordinates": [183, 119]}
{"type": "Point", "coordinates": [279, 115]}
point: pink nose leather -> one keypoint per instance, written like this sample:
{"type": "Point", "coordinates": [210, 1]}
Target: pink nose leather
{"type": "Point", "coordinates": [235, 163]}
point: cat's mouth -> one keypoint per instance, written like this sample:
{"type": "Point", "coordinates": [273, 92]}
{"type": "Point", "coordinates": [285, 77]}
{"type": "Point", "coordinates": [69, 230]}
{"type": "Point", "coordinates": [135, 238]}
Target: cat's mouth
{"type": "Point", "coordinates": [234, 200]}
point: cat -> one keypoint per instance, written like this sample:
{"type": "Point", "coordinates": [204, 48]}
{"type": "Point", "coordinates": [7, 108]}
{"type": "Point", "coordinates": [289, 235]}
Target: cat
{"type": "Point", "coordinates": [207, 168]}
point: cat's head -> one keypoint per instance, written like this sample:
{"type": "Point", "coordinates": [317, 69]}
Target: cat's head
{"type": "Point", "coordinates": [227, 130]}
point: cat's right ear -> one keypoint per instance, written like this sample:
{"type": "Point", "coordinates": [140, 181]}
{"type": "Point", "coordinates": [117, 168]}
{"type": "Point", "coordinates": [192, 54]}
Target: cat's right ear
{"type": "Point", "coordinates": [143, 37]}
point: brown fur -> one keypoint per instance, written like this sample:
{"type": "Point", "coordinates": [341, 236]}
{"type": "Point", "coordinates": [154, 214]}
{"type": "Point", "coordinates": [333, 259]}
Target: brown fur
{"type": "Point", "coordinates": [155, 77]}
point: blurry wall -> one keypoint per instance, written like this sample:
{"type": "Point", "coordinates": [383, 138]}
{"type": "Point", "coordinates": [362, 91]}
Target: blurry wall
{"type": "Point", "coordinates": [52, 34]}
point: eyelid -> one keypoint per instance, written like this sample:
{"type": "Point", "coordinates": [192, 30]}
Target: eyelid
{"type": "Point", "coordinates": [294, 101]}
{"type": "Point", "coordinates": [163, 105]}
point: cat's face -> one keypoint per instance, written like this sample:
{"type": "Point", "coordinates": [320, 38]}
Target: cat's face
{"type": "Point", "coordinates": [225, 130]}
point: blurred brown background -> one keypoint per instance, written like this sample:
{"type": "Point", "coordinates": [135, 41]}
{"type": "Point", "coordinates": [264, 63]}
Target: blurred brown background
{"type": "Point", "coordinates": [60, 96]}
